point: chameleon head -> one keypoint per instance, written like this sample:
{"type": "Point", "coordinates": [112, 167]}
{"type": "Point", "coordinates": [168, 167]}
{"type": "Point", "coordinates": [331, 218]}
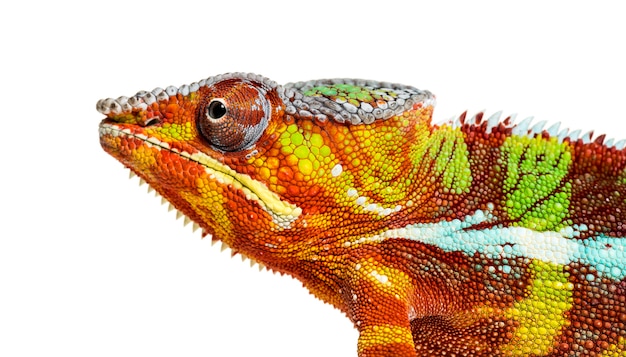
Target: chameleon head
{"type": "Point", "coordinates": [192, 145]}
{"type": "Point", "coordinates": [257, 165]}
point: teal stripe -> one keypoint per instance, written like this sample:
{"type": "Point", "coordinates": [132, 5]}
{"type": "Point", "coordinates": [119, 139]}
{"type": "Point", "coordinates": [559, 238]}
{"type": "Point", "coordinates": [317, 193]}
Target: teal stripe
{"type": "Point", "coordinates": [605, 254]}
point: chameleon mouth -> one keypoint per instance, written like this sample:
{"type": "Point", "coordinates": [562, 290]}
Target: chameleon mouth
{"type": "Point", "coordinates": [283, 213]}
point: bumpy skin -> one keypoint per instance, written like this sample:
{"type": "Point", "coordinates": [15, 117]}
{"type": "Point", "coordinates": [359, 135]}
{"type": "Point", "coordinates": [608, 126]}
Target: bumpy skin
{"type": "Point", "coordinates": [472, 237]}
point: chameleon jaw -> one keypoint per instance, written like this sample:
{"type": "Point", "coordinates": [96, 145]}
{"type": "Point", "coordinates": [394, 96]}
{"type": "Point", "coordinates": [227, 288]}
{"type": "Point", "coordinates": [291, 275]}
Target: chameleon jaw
{"type": "Point", "coordinates": [283, 213]}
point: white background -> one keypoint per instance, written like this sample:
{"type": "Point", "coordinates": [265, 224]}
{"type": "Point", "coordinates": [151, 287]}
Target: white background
{"type": "Point", "coordinates": [91, 265]}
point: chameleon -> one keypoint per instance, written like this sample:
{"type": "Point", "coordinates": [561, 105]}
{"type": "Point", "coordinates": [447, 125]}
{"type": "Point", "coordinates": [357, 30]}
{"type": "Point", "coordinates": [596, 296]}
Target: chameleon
{"type": "Point", "coordinates": [473, 236]}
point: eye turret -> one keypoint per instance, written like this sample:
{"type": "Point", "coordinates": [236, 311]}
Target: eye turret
{"type": "Point", "coordinates": [235, 114]}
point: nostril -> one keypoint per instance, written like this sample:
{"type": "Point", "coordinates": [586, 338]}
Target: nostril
{"type": "Point", "coordinates": [152, 121]}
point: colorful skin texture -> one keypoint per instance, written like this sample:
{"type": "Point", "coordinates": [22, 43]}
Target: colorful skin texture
{"type": "Point", "coordinates": [472, 237]}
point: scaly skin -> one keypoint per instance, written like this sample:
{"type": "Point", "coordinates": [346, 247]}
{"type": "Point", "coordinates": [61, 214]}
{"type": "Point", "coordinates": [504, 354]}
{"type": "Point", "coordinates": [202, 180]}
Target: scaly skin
{"type": "Point", "coordinates": [468, 238]}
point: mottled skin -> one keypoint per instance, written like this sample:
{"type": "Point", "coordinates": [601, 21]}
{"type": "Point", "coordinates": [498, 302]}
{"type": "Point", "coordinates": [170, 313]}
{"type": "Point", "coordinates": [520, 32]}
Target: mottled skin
{"type": "Point", "coordinates": [359, 213]}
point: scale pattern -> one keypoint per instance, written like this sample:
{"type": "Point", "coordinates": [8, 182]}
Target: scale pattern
{"type": "Point", "coordinates": [472, 237]}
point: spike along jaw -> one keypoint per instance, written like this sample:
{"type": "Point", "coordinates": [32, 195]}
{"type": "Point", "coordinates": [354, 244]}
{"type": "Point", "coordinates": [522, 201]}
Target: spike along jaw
{"type": "Point", "coordinates": [199, 146]}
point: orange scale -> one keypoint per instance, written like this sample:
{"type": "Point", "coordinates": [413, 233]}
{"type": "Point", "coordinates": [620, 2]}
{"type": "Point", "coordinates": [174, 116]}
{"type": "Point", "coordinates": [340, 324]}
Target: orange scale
{"type": "Point", "coordinates": [291, 160]}
{"type": "Point", "coordinates": [180, 169]}
{"type": "Point", "coordinates": [252, 170]}
{"type": "Point", "coordinates": [285, 174]}
{"type": "Point", "coordinates": [299, 176]}
{"type": "Point", "coordinates": [170, 111]}
{"type": "Point", "coordinates": [251, 216]}
{"type": "Point", "coordinates": [281, 190]}
{"type": "Point", "coordinates": [231, 205]}
{"type": "Point", "coordinates": [154, 107]}
{"type": "Point", "coordinates": [194, 170]}
{"type": "Point", "coordinates": [185, 166]}
{"type": "Point", "coordinates": [166, 160]}
{"type": "Point", "coordinates": [240, 216]}
{"type": "Point", "coordinates": [293, 190]}
{"type": "Point", "coordinates": [132, 145]}
{"type": "Point", "coordinates": [182, 111]}
{"type": "Point", "coordinates": [312, 191]}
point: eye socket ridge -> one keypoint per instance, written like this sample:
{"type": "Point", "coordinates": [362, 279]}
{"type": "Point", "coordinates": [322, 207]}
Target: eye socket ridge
{"type": "Point", "coordinates": [216, 109]}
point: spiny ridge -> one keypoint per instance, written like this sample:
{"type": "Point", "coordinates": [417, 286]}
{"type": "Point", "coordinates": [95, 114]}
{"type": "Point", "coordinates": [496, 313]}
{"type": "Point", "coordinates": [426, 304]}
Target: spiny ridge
{"type": "Point", "coordinates": [527, 127]}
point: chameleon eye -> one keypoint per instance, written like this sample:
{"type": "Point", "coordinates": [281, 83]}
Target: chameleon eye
{"type": "Point", "coordinates": [216, 109]}
{"type": "Point", "coordinates": [235, 116]}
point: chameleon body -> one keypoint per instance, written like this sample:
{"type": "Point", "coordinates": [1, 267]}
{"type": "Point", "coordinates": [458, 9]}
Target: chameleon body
{"type": "Point", "coordinates": [471, 237]}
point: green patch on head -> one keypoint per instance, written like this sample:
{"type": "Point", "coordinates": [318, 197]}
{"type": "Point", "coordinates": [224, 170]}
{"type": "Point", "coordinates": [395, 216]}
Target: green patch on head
{"type": "Point", "coordinates": [349, 93]}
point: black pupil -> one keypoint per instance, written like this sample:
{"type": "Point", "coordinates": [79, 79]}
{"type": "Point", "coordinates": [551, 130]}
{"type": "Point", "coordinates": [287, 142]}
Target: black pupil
{"type": "Point", "coordinates": [216, 109]}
